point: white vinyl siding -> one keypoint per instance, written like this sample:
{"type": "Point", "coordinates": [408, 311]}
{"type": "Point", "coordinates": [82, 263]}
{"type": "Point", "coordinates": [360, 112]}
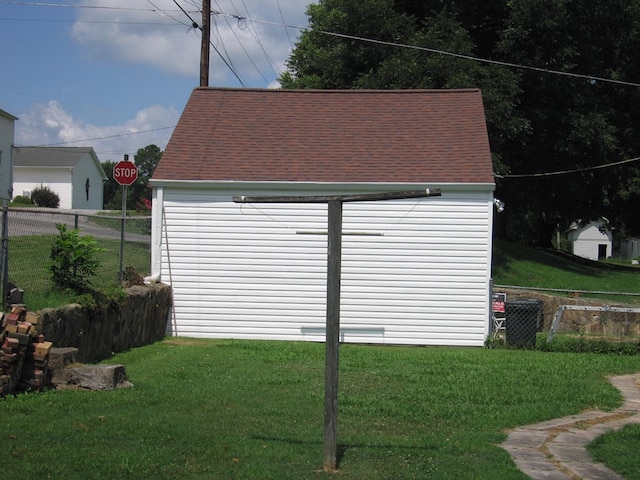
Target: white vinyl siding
{"type": "Point", "coordinates": [83, 170]}
{"type": "Point", "coordinates": [585, 241]}
{"type": "Point", "coordinates": [57, 179]}
{"type": "Point", "coordinates": [414, 271]}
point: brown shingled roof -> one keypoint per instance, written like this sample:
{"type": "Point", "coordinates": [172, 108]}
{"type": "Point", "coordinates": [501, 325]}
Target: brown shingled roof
{"type": "Point", "coordinates": [397, 136]}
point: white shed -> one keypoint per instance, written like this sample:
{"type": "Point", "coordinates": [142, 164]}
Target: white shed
{"type": "Point", "coordinates": [593, 240]}
{"type": "Point", "coordinates": [7, 124]}
{"type": "Point", "coordinates": [73, 173]}
{"type": "Point", "coordinates": [414, 271]}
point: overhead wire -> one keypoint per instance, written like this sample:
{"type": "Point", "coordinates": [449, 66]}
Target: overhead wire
{"type": "Point", "coordinates": [565, 172]}
{"type": "Point", "coordinates": [165, 14]}
{"type": "Point", "coordinates": [593, 78]}
{"type": "Point", "coordinates": [286, 30]}
{"type": "Point", "coordinates": [106, 137]}
{"type": "Point", "coordinates": [105, 22]}
{"type": "Point", "coordinates": [67, 5]}
{"type": "Point", "coordinates": [221, 40]}
{"type": "Point", "coordinates": [254, 34]}
{"type": "Point", "coordinates": [243, 48]}
{"type": "Point", "coordinates": [457, 55]}
{"type": "Point", "coordinates": [239, 18]}
{"type": "Point", "coordinates": [196, 25]}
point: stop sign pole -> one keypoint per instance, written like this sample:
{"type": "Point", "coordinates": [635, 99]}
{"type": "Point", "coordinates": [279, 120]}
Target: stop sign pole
{"type": "Point", "coordinates": [125, 173]}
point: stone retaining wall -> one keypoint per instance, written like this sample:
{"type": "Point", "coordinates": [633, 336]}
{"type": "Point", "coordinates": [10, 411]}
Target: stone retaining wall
{"type": "Point", "coordinates": [141, 320]}
{"type": "Point", "coordinates": [615, 325]}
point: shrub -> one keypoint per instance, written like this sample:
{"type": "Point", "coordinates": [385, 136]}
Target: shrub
{"type": "Point", "coordinates": [45, 197]}
{"type": "Point", "coordinates": [21, 200]}
{"type": "Point", "coordinates": [580, 344]}
{"type": "Point", "coordinates": [100, 301]}
{"type": "Point", "coordinates": [73, 259]}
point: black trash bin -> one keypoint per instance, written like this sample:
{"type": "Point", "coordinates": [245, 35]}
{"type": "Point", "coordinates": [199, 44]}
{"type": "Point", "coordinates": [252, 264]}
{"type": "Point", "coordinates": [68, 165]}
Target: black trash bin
{"type": "Point", "coordinates": [523, 320]}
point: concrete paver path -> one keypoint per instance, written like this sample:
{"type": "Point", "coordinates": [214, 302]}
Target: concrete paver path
{"type": "Point", "coordinates": [556, 450]}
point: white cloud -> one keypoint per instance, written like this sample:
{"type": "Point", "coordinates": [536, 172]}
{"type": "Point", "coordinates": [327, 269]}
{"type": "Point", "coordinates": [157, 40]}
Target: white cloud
{"type": "Point", "coordinates": [50, 124]}
{"type": "Point", "coordinates": [251, 39]}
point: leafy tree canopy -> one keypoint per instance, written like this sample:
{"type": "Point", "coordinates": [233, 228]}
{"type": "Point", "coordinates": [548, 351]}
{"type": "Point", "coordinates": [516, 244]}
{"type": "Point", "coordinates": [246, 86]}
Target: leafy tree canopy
{"type": "Point", "coordinates": [539, 121]}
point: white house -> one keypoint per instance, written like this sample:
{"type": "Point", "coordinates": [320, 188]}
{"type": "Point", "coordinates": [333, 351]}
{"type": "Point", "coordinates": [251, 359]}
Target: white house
{"type": "Point", "coordinates": [414, 271]}
{"type": "Point", "coordinates": [73, 173]}
{"type": "Point", "coordinates": [593, 240]}
{"type": "Point", "coordinates": [7, 122]}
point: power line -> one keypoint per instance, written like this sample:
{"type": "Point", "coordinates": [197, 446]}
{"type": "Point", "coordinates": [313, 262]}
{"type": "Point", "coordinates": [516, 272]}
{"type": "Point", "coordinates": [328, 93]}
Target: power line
{"type": "Point", "coordinates": [286, 30]}
{"type": "Point", "coordinates": [164, 13]}
{"type": "Point", "coordinates": [593, 78]}
{"type": "Point", "coordinates": [565, 172]}
{"type": "Point", "coordinates": [456, 55]}
{"type": "Point", "coordinates": [106, 137]}
{"type": "Point", "coordinates": [250, 27]}
{"type": "Point", "coordinates": [66, 5]}
{"type": "Point", "coordinates": [241, 46]}
{"type": "Point", "coordinates": [255, 35]}
{"type": "Point", "coordinates": [120, 22]}
{"type": "Point", "coordinates": [198, 27]}
{"type": "Point", "coordinates": [194, 24]}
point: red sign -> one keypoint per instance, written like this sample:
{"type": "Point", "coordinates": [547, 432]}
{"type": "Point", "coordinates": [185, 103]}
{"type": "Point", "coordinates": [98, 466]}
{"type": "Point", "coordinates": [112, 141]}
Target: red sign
{"type": "Point", "coordinates": [125, 173]}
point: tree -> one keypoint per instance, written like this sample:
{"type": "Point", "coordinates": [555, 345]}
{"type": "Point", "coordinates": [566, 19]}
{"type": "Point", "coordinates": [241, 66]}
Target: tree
{"type": "Point", "coordinates": [538, 121]}
{"type": "Point", "coordinates": [146, 159]}
{"type": "Point", "coordinates": [138, 193]}
{"type": "Point", "coordinates": [111, 188]}
{"type": "Point", "coordinates": [576, 123]}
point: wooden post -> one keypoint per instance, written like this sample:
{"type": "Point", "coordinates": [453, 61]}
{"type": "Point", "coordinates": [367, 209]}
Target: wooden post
{"type": "Point", "coordinates": [334, 266]}
{"type": "Point", "coordinates": [332, 343]}
{"type": "Point", "coordinates": [204, 46]}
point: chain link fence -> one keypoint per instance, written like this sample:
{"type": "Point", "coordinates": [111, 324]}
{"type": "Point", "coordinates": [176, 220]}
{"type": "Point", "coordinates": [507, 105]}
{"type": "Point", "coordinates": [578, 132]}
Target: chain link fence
{"type": "Point", "coordinates": [27, 236]}
{"type": "Point", "coordinates": [521, 318]}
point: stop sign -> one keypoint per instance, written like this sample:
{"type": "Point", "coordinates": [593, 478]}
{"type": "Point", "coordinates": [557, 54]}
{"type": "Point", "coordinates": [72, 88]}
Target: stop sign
{"type": "Point", "coordinates": [125, 173]}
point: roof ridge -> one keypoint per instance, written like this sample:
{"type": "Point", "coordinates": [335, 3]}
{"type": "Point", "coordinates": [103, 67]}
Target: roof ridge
{"type": "Point", "coordinates": [343, 90]}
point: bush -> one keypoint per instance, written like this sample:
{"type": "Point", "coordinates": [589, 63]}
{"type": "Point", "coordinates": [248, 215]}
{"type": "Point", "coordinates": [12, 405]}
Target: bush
{"type": "Point", "coordinates": [580, 344]}
{"type": "Point", "coordinates": [45, 197]}
{"type": "Point", "coordinates": [21, 200]}
{"type": "Point", "coordinates": [73, 260]}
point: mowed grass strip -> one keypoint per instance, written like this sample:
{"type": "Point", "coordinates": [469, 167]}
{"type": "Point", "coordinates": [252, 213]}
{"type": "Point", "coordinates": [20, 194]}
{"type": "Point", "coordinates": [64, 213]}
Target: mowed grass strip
{"type": "Point", "coordinates": [230, 409]}
{"type": "Point", "coordinates": [619, 451]}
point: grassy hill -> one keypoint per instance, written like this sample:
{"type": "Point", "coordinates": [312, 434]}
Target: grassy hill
{"type": "Point", "coordinates": [517, 265]}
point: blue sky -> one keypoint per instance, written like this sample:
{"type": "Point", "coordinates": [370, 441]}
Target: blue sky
{"type": "Point", "coordinates": [98, 72]}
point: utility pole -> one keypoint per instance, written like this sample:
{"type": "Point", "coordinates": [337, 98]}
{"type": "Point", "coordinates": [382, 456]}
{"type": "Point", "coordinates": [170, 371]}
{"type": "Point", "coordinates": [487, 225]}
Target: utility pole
{"type": "Point", "coordinates": [204, 50]}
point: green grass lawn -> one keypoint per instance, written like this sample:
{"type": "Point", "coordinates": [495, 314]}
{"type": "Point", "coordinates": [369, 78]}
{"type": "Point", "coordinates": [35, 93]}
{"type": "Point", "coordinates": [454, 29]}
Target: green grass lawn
{"type": "Point", "coordinates": [223, 409]}
{"type": "Point", "coordinates": [529, 267]}
{"type": "Point", "coordinates": [619, 451]}
{"type": "Point", "coordinates": [29, 261]}
{"type": "Point", "coordinates": [254, 410]}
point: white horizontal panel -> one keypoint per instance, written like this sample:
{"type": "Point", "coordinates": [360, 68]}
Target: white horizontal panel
{"type": "Point", "coordinates": [413, 272]}
{"type": "Point", "coordinates": [405, 290]}
{"type": "Point", "coordinates": [398, 306]}
{"type": "Point", "coordinates": [259, 262]}
{"type": "Point", "coordinates": [240, 291]}
{"type": "Point", "coordinates": [288, 314]}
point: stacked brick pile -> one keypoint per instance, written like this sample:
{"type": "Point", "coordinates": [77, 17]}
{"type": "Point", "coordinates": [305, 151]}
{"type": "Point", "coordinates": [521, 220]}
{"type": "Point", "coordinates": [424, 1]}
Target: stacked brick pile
{"type": "Point", "coordinates": [24, 354]}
